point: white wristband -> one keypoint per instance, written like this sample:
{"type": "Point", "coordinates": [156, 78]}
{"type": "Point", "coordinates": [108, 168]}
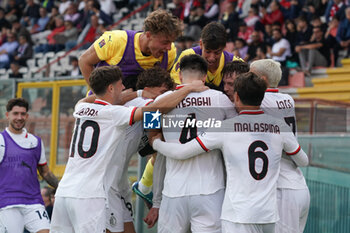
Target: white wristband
{"type": "Point", "coordinates": [139, 93]}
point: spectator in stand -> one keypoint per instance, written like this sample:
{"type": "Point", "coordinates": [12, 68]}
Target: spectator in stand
{"type": "Point", "coordinates": [51, 24]}
{"type": "Point", "coordinates": [280, 50]}
{"type": "Point", "coordinates": [75, 71]}
{"type": "Point", "coordinates": [317, 22]}
{"type": "Point", "coordinates": [46, 194]}
{"type": "Point", "coordinates": [48, 4]}
{"type": "Point", "coordinates": [211, 10]}
{"type": "Point", "coordinates": [19, 29]}
{"type": "Point", "coordinates": [63, 6]}
{"type": "Point", "coordinates": [241, 48]}
{"type": "Point", "coordinates": [42, 21]}
{"type": "Point", "coordinates": [275, 15]}
{"type": "Point", "coordinates": [7, 50]}
{"type": "Point", "coordinates": [335, 8]}
{"type": "Point", "coordinates": [15, 70]}
{"type": "Point", "coordinates": [30, 14]}
{"type": "Point", "coordinates": [268, 35]}
{"type": "Point", "coordinates": [244, 32]}
{"type": "Point", "coordinates": [252, 18]}
{"type": "Point", "coordinates": [330, 36]}
{"type": "Point", "coordinates": [72, 14]}
{"type": "Point", "coordinates": [68, 35]}
{"type": "Point", "coordinates": [253, 46]}
{"type": "Point", "coordinates": [108, 7]}
{"type": "Point", "coordinates": [230, 20]}
{"type": "Point", "coordinates": [157, 4]}
{"type": "Point", "coordinates": [3, 22]}
{"type": "Point", "coordinates": [261, 52]}
{"type": "Point", "coordinates": [304, 31]}
{"type": "Point", "coordinates": [51, 43]}
{"type": "Point", "coordinates": [319, 5]}
{"type": "Point", "coordinates": [95, 8]}
{"type": "Point", "coordinates": [195, 23]}
{"type": "Point", "coordinates": [314, 53]}
{"type": "Point", "coordinates": [291, 35]}
{"type": "Point", "coordinates": [295, 9]}
{"type": "Point", "coordinates": [343, 34]}
{"type": "Point", "coordinates": [24, 51]}
{"type": "Point", "coordinates": [13, 11]}
{"type": "Point", "coordinates": [179, 9]}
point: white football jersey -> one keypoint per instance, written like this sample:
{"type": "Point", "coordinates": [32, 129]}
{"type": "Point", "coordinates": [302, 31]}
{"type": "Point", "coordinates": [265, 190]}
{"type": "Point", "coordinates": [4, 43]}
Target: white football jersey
{"type": "Point", "coordinates": [117, 171]}
{"type": "Point", "coordinates": [282, 106]}
{"type": "Point", "coordinates": [202, 174]}
{"type": "Point", "coordinates": [252, 145]}
{"type": "Point", "coordinates": [99, 130]}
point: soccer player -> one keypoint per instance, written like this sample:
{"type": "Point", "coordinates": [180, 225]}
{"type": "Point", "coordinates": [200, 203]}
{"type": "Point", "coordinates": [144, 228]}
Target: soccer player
{"type": "Point", "coordinates": [211, 48]}
{"type": "Point", "coordinates": [99, 130]}
{"type": "Point", "coordinates": [119, 212]}
{"type": "Point", "coordinates": [135, 51]}
{"type": "Point", "coordinates": [21, 155]}
{"type": "Point", "coordinates": [293, 193]}
{"type": "Point", "coordinates": [230, 72]}
{"type": "Point", "coordinates": [252, 145]}
{"type": "Point", "coordinates": [190, 183]}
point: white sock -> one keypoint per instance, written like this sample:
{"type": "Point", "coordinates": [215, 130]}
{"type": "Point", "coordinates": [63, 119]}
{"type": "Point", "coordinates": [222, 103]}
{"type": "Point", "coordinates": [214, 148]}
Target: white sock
{"type": "Point", "coordinates": [144, 189]}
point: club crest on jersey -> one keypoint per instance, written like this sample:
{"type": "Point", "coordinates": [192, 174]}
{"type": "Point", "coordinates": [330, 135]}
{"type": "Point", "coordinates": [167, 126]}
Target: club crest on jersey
{"type": "Point", "coordinates": [102, 43]}
{"type": "Point", "coordinates": [151, 120]}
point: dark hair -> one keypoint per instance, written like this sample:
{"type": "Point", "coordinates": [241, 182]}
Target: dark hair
{"type": "Point", "coordinates": [96, 4]}
{"type": "Point", "coordinates": [239, 67]}
{"type": "Point", "coordinates": [250, 88]}
{"type": "Point", "coordinates": [194, 62]}
{"type": "Point", "coordinates": [214, 36]}
{"type": "Point", "coordinates": [154, 77]}
{"type": "Point", "coordinates": [263, 48]}
{"type": "Point", "coordinates": [101, 77]}
{"type": "Point", "coordinates": [241, 40]}
{"type": "Point", "coordinates": [17, 102]}
{"type": "Point", "coordinates": [48, 191]}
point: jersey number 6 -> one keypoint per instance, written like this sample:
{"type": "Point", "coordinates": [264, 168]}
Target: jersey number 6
{"type": "Point", "coordinates": [254, 155]}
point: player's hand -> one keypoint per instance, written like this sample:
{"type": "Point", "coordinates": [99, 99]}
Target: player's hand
{"type": "Point", "coordinates": [151, 217]}
{"type": "Point", "coordinates": [196, 86]}
{"type": "Point", "coordinates": [154, 137]}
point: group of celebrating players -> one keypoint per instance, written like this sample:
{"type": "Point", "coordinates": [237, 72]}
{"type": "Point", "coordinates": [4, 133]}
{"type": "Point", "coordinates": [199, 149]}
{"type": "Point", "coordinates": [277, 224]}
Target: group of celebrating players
{"type": "Point", "coordinates": [242, 177]}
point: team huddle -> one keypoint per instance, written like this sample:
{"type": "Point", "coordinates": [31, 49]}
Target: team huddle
{"type": "Point", "coordinates": [241, 176]}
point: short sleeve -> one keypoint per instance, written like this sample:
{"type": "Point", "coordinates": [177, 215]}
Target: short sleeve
{"type": "Point", "coordinates": [110, 46]}
{"type": "Point", "coordinates": [290, 143]}
{"type": "Point", "coordinates": [2, 148]}
{"type": "Point", "coordinates": [42, 160]}
{"type": "Point", "coordinates": [123, 116]}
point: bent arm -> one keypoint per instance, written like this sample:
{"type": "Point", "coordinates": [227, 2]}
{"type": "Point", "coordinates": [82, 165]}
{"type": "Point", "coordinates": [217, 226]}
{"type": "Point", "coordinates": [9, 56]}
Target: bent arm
{"type": "Point", "coordinates": [299, 157]}
{"type": "Point", "coordinates": [178, 151]}
{"type": "Point", "coordinates": [87, 61]}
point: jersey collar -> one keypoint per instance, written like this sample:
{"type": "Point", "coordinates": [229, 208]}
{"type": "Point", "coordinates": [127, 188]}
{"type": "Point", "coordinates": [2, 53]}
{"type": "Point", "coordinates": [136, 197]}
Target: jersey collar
{"type": "Point", "coordinates": [101, 102]}
{"type": "Point", "coordinates": [251, 112]}
{"type": "Point", "coordinates": [271, 90]}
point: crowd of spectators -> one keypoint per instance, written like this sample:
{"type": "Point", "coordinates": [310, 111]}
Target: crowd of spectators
{"type": "Point", "coordinates": [298, 33]}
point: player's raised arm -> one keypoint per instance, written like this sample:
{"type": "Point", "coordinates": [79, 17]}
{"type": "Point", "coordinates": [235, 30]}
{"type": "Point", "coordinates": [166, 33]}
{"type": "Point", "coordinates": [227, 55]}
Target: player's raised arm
{"type": "Point", "coordinates": [170, 101]}
{"type": "Point", "coordinates": [87, 61]}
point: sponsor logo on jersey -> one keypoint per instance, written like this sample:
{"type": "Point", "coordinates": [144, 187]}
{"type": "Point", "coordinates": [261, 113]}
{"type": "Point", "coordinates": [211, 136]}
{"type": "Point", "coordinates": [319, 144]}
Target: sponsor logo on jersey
{"type": "Point", "coordinates": [102, 43]}
{"type": "Point", "coordinates": [151, 120]}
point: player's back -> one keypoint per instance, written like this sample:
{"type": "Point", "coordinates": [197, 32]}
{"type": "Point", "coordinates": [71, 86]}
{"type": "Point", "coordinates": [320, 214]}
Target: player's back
{"type": "Point", "coordinates": [99, 128]}
{"type": "Point", "coordinates": [203, 174]}
{"type": "Point", "coordinates": [252, 147]}
{"type": "Point", "coordinates": [282, 106]}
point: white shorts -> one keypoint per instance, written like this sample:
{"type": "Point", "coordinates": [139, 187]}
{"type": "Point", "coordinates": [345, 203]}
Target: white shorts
{"type": "Point", "coordinates": [119, 210]}
{"type": "Point", "coordinates": [229, 227]}
{"type": "Point", "coordinates": [78, 215]}
{"type": "Point", "coordinates": [33, 217]}
{"type": "Point", "coordinates": [293, 209]}
{"type": "Point", "coordinates": [199, 213]}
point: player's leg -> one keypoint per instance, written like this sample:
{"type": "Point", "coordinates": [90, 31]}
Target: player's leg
{"type": "Point", "coordinates": [36, 218]}
{"type": "Point", "coordinates": [114, 212]}
{"type": "Point", "coordinates": [293, 208]}
{"type": "Point", "coordinates": [60, 221]}
{"type": "Point", "coordinates": [88, 215]}
{"type": "Point", "coordinates": [173, 215]}
{"type": "Point", "coordinates": [12, 220]}
{"type": "Point", "coordinates": [206, 218]}
{"type": "Point", "coordinates": [128, 212]}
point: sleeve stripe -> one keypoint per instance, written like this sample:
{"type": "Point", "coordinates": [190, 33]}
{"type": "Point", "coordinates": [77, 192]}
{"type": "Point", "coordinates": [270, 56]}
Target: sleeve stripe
{"type": "Point", "coordinates": [132, 116]}
{"type": "Point", "coordinates": [42, 164]}
{"type": "Point", "coordinates": [148, 103]}
{"type": "Point", "coordinates": [201, 144]}
{"type": "Point", "coordinates": [295, 152]}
